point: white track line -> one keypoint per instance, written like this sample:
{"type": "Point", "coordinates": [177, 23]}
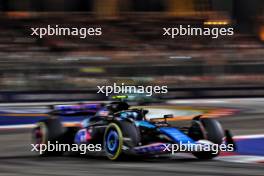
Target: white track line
{"type": "Point", "coordinates": [241, 159]}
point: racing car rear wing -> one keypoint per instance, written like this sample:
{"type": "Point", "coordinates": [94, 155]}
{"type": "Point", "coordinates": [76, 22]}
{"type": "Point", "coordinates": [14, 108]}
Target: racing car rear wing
{"type": "Point", "coordinates": [76, 109]}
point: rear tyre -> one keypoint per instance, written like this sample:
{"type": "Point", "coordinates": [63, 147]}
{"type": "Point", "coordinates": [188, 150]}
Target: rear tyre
{"type": "Point", "coordinates": [214, 133]}
{"type": "Point", "coordinates": [48, 131]}
{"type": "Point", "coordinates": [117, 135]}
{"type": "Point", "coordinates": [113, 141]}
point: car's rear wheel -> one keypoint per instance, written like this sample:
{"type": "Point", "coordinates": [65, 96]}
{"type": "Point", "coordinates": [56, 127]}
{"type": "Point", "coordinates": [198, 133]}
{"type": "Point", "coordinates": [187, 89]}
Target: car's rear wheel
{"type": "Point", "coordinates": [48, 131]}
{"type": "Point", "coordinates": [117, 135]}
{"type": "Point", "coordinates": [213, 132]}
{"type": "Point", "coordinates": [113, 141]}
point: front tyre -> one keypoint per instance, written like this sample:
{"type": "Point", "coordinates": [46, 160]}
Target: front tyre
{"type": "Point", "coordinates": [214, 133]}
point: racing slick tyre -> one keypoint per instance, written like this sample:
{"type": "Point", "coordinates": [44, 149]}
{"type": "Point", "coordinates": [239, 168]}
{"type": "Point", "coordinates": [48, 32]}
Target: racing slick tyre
{"type": "Point", "coordinates": [214, 133]}
{"type": "Point", "coordinates": [48, 131]}
{"type": "Point", "coordinates": [117, 135]}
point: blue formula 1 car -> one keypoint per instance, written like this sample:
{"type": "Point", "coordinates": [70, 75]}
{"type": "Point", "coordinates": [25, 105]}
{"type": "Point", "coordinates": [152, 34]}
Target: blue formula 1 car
{"type": "Point", "coordinates": [123, 131]}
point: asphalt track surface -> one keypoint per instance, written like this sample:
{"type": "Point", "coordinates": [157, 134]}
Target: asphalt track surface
{"type": "Point", "coordinates": [16, 158]}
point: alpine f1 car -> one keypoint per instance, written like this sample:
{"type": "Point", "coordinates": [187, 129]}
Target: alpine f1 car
{"type": "Point", "coordinates": [124, 131]}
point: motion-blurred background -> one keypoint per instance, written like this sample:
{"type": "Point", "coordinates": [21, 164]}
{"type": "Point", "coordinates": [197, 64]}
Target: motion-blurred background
{"type": "Point", "coordinates": [131, 50]}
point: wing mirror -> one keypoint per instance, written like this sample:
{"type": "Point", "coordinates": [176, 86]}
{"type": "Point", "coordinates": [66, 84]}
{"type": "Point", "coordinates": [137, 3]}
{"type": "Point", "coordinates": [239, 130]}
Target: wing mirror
{"type": "Point", "coordinates": [168, 116]}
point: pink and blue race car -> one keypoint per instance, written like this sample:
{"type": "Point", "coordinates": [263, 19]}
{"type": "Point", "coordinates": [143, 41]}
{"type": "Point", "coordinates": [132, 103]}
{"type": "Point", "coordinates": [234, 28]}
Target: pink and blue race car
{"type": "Point", "coordinates": [124, 131]}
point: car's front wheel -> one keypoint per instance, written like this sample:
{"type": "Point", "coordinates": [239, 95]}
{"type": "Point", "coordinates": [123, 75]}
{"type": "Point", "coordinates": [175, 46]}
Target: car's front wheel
{"type": "Point", "coordinates": [211, 130]}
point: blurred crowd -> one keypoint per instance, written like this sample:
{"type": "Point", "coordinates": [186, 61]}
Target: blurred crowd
{"type": "Point", "coordinates": [131, 50]}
